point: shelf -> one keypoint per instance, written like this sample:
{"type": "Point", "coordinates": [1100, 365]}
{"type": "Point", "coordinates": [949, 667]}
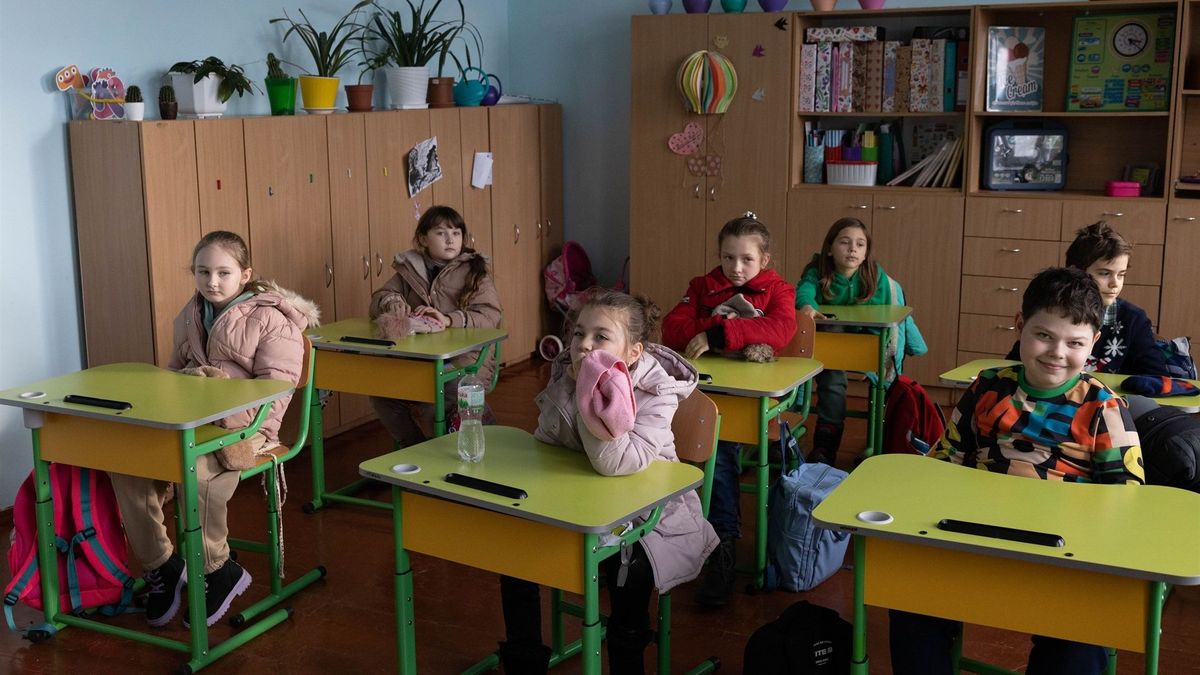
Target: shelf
{"type": "Point", "coordinates": [1187, 187]}
{"type": "Point", "coordinates": [880, 188]}
{"type": "Point", "coordinates": [1057, 194]}
{"type": "Point", "coordinates": [1191, 92]}
{"type": "Point", "coordinates": [956, 113]}
{"type": "Point", "coordinates": [1139, 113]}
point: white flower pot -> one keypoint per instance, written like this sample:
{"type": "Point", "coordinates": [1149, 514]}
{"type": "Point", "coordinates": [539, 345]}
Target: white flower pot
{"type": "Point", "coordinates": [407, 86]}
{"type": "Point", "coordinates": [135, 112]}
{"type": "Point", "coordinates": [197, 99]}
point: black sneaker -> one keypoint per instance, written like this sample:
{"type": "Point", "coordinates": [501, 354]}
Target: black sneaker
{"type": "Point", "coordinates": [717, 588]}
{"type": "Point", "coordinates": [166, 585]}
{"type": "Point", "coordinates": [220, 588]}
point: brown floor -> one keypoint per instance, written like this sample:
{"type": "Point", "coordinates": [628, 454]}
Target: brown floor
{"type": "Point", "coordinates": [345, 623]}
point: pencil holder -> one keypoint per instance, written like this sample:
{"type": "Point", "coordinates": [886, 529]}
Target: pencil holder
{"type": "Point", "coordinates": [814, 164]}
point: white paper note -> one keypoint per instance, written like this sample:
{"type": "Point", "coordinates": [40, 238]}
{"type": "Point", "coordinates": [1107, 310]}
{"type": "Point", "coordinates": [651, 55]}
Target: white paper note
{"type": "Point", "coordinates": [481, 173]}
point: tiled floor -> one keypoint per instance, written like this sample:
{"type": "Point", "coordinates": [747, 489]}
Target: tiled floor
{"type": "Point", "coordinates": [345, 623]}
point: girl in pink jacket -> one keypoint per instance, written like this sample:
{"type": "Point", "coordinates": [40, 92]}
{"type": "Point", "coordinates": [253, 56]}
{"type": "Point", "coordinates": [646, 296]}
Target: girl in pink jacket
{"type": "Point", "coordinates": [231, 327]}
{"type": "Point", "coordinates": [612, 396]}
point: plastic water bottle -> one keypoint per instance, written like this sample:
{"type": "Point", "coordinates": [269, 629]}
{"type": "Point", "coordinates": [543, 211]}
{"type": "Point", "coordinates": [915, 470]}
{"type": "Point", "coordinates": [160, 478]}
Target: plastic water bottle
{"type": "Point", "coordinates": [470, 415]}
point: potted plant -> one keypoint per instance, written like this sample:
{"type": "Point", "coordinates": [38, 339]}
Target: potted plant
{"type": "Point", "coordinates": [409, 41]}
{"type": "Point", "coordinates": [281, 87]}
{"type": "Point", "coordinates": [203, 87]}
{"type": "Point", "coordinates": [135, 107]}
{"type": "Point", "coordinates": [329, 50]}
{"type": "Point", "coordinates": [167, 106]}
{"type": "Point", "coordinates": [361, 97]}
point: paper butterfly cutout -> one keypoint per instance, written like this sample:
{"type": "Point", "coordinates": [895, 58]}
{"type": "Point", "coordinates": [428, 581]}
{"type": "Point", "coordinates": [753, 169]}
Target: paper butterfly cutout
{"type": "Point", "coordinates": [759, 51]}
{"type": "Point", "coordinates": [688, 141]}
{"type": "Point", "coordinates": [759, 94]}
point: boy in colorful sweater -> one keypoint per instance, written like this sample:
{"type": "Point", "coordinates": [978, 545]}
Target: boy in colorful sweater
{"type": "Point", "coordinates": [1044, 419]}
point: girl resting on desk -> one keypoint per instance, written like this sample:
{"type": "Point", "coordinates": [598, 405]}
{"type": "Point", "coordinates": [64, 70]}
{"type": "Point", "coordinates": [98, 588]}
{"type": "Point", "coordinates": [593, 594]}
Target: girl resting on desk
{"type": "Point", "coordinates": [845, 273]}
{"type": "Point", "coordinates": [612, 395]}
{"type": "Point", "coordinates": [439, 283]}
{"type": "Point", "coordinates": [231, 327]}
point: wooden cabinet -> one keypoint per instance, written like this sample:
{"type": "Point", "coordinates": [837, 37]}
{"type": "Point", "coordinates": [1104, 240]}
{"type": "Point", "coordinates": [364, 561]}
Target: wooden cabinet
{"type": "Point", "coordinates": [809, 216]}
{"type": "Point", "coordinates": [392, 213]}
{"type": "Point", "coordinates": [221, 174]}
{"type": "Point", "coordinates": [1180, 313]}
{"type": "Point", "coordinates": [674, 215]}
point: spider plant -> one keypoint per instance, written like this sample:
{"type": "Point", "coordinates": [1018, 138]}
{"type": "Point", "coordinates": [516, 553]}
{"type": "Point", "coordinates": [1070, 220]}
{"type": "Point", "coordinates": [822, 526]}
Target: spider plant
{"type": "Point", "coordinates": [415, 38]}
{"type": "Point", "coordinates": [330, 50]}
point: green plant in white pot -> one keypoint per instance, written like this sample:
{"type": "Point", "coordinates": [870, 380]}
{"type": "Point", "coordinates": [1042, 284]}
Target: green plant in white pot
{"type": "Point", "coordinates": [330, 51]}
{"type": "Point", "coordinates": [409, 41]}
{"type": "Point", "coordinates": [203, 87]}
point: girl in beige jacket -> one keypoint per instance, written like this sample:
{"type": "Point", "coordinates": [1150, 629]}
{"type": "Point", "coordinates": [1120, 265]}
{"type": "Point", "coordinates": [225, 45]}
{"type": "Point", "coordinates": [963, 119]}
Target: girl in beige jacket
{"type": "Point", "coordinates": [440, 283]}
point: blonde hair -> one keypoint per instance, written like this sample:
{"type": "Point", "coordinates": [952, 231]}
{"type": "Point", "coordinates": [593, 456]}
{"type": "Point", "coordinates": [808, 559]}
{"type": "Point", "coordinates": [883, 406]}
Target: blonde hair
{"type": "Point", "coordinates": [641, 314]}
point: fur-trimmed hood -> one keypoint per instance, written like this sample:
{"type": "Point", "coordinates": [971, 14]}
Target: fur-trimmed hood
{"type": "Point", "coordinates": [300, 310]}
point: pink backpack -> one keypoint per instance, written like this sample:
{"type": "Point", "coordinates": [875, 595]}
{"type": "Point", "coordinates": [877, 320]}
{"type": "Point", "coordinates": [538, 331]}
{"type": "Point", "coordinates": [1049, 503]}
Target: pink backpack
{"type": "Point", "coordinates": [93, 569]}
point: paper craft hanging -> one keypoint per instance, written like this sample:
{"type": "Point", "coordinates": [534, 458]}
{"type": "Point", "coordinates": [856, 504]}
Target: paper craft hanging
{"type": "Point", "coordinates": [707, 81]}
{"type": "Point", "coordinates": [688, 141]}
{"type": "Point", "coordinates": [423, 166]}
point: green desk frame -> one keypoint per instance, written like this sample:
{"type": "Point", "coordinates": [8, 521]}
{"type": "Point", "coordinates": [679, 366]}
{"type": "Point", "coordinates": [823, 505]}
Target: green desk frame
{"type": "Point", "coordinates": [864, 352]}
{"type": "Point", "coordinates": [1122, 546]}
{"type": "Point", "coordinates": [416, 368]}
{"type": "Point", "coordinates": [160, 437]}
{"type": "Point", "coordinates": [568, 507]}
{"type": "Point", "coordinates": [748, 396]}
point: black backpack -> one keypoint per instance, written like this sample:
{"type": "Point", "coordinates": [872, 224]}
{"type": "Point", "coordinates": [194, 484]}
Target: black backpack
{"type": "Point", "coordinates": [1170, 440]}
{"type": "Point", "coordinates": [806, 639]}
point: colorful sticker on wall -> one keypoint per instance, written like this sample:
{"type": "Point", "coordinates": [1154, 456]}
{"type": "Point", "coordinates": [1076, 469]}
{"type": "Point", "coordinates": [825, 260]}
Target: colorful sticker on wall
{"type": "Point", "coordinates": [98, 95]}
{"type": "Point", "coordinates": [707, 81]}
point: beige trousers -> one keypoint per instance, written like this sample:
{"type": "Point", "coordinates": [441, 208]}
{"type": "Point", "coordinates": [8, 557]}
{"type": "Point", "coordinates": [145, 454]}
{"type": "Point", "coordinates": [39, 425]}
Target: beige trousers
{"type": "Point", "coordinates": [141, 501]}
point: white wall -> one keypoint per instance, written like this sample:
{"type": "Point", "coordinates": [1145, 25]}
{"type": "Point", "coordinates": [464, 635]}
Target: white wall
{"type": "Point", "coordinates": [40, 334]}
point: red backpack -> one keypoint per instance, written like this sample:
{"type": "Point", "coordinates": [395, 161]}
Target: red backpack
{"type": "Point", "coordinates": [912, 423]}
{"type": "Point", "coordinates": [91, 546]}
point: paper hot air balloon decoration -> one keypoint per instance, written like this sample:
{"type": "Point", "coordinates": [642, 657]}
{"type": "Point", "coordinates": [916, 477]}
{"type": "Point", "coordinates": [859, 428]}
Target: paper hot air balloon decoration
{"type": "Point", "coordinates": [707, 81]}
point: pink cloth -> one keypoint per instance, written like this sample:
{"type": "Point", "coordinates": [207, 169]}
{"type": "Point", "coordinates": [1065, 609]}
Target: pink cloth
{"type": "Point", "coordinates": [604, 394]}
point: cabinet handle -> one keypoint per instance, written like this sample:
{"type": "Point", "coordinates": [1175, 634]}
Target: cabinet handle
{"type": "Point", "coordinates": [328, 275]}
{"type": "Point", "coordinates": [1186, 219]}
{"type": "Point", "coordinates": [1011, 250]}
{"type": "Point", "coordinates": [881, 207]}
{"type": "Point", "coordinates": [379, 263]}
{"type": "Point", "coordinates": [696, 191]}
{"type": "Point", "coordinates": [1012, 210]}
{"type": "Point", "coordinates": [856, 206]}
{"type": "Point", "coordinates": [472, 241]}
{"type": "Point", "coordinates": [539, 229]}
{"type": "Point", "coordinates": [1008, 290]}
{"type": "Point", "coordinates": [1006, 327]}
{"type": "Point", "coordinates": [1114, 214]}
{"type": "Point", "coordinates": [712, 193]}
{"type": "Point", "coordinates": [549, 224]}
{"type": "Point", "coordinates": [366, 267]}
{"type": "Point", "coordinates": [516, 234]}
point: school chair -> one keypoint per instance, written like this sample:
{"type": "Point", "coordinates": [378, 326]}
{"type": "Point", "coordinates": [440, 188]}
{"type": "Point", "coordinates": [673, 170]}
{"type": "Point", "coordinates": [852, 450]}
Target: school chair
{"type": "Point", "coordinates": [800, 346]}
{"type": "Point", "coordinates": [269, 466]}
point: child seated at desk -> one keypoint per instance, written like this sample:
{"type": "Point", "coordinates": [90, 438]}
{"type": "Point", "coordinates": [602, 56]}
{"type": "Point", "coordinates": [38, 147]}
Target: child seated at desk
{"type": "Point", "coordinates": [612, 395]}
{"type": "Point", "coordinates": [1126, 343]}
{"type": "Point", "coordinates": [1041, 419]}
{"type": "Point", "coordinates": [231, 327]}
{"type": "Point", "coordinates": [764, 325]}
{"type": "Point", "coordinates": [439, 283]}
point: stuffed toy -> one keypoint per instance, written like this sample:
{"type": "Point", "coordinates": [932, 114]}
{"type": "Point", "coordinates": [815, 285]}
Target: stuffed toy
{"type": "Point", "coordinates": [738, 307]}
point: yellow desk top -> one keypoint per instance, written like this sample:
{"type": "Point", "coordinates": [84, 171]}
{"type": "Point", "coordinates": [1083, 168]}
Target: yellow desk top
{"type": "Point", "coordinates": [427, 346]}
{"type": "Point", "coordinates": [743, 378]}
{"type": "Point", "coordinates": [563, 489]}
{"type": "Point", "coordinates": [965, 374]}
{"type": "Point", "coordinates": [160, 398]}
{"type": "Point", "coordinates": [1141, 531]}
{"type": "Point", "coordinates": [864, 316]}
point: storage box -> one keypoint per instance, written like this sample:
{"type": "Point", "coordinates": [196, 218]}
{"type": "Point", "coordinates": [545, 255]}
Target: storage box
{"type": "Point", "coordinates": [851, 173]}
{"type": "Point", "coordinates": [1123, 188]}
{"type": "Point", "coordinates": [843, 33]}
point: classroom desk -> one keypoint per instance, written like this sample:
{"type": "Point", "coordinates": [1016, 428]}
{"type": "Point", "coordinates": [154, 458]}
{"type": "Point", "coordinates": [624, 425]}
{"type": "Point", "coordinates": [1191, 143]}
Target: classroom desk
{"type": "Point", "coordinates": [864, 352]}
{"type": "Point", "coordinates": [550, 537]}
{"type": "Point", "coordinates": [1123, 543]}
{"type": "Point", "coordinates": [159, 437]}
{"type": "Point", "coordinates": [415, 368]}
{"type": "Point", "coordinates": [748, 396]}
{"type": "Point", "coordinates": [965, 374]}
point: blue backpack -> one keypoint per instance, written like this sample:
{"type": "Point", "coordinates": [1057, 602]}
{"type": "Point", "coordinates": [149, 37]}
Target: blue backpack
{"type": "Point", "coordinates": [1177, 354]}
{"type": "Point", "coordinates": [800, 553]}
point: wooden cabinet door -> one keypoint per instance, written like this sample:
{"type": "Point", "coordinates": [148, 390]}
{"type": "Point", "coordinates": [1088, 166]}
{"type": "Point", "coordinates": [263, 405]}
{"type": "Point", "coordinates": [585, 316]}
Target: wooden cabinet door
{"type": "Point", "coordinates": [221, 175]}
{"type": "Point", "coordinates": [477, 202]}
{"type": "Point", "coordinates": [809, 216]}
{"type": "Point", "coordinates": [551, 167]}
{"type": "Point", "coordinates": [1180, 312]}
{"type": "Point", "coordinates": [752, 136]}
{"type": "Point", "coordinates": [515, 206]}
{"type": "Point", "coordinates": [918, 240]}
{"type": "Point", "coordinates": [667, 205]}
{"type": "Point", "coordinates": [287, 178]}
{"type": "Point", "coordinates": [172, 223]}
{"type": "Point", "coordinates": [444, 124]}
{"type": "Point", "coordinates": [393, 214]}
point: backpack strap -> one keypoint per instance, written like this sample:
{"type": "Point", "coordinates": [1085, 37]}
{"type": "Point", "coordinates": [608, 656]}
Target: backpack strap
{"type": "Point", "coordinates": [19, 588]}
{"type": "Point", "coordinates": [94, 549]}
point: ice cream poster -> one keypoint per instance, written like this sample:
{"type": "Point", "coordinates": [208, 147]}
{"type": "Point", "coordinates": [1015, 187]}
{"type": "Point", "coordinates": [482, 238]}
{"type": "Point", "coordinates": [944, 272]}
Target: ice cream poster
{"type": "Point", "coordinates": [1016, 65]}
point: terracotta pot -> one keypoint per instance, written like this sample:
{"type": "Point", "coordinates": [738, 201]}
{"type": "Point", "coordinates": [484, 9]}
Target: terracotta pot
{"type": "Point", "coordinates": [823, 5]}
{"type": "Point", "coordinates": [168, 110]}
{"type": "Point", "coordinates": [441, 92]}
{"type": "Point", "coordinates": [360, 97]}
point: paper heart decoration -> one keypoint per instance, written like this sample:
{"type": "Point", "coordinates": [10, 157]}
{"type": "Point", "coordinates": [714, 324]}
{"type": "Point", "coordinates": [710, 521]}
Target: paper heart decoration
{"type": "Point", "coordinates": [708, 165]}
{"type": "Point", "coordinates": [688, 141]}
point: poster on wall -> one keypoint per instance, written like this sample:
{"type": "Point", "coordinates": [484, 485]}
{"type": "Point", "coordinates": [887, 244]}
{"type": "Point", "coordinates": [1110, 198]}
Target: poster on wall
{"type": "Point", "coordinates": [1016, 65]}
{"type": "Point", "coordinates": [1121, 62]}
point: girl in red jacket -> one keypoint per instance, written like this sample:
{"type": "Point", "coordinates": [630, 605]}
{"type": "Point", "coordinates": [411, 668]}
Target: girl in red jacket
{"type": "Point", "coordinates": [739, 304]}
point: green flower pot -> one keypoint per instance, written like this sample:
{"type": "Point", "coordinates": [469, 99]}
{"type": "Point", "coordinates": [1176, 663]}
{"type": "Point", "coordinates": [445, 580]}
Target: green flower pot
{"type": "Point", "coordinates": [281, 91]}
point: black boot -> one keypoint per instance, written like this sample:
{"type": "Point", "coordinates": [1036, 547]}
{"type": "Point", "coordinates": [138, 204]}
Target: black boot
{"type": "Point", "coordinates": [826, 441]}
{"type": "Point", "coordinates": [521, 658]}
{"type": "Point", "coordinates": [717, 588]}
{"type": "Point", "coordinates": [627, 650]}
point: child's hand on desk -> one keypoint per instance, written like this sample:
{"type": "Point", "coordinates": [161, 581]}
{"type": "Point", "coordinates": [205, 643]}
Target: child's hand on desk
{"type": "Point", "coordinates": [809, 310]}
{"type": "Point", "coordinates": [425, 310]}
{"type": "Point", "coordinates": [696, 346]}
{"type": "Point", "coordinates": [206, 371]}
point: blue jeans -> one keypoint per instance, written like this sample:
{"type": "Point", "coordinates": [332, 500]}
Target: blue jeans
{"type": "Point", "coordinates": [923, 645]}
{"type": "Point", "coordinates": [724, 509]}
